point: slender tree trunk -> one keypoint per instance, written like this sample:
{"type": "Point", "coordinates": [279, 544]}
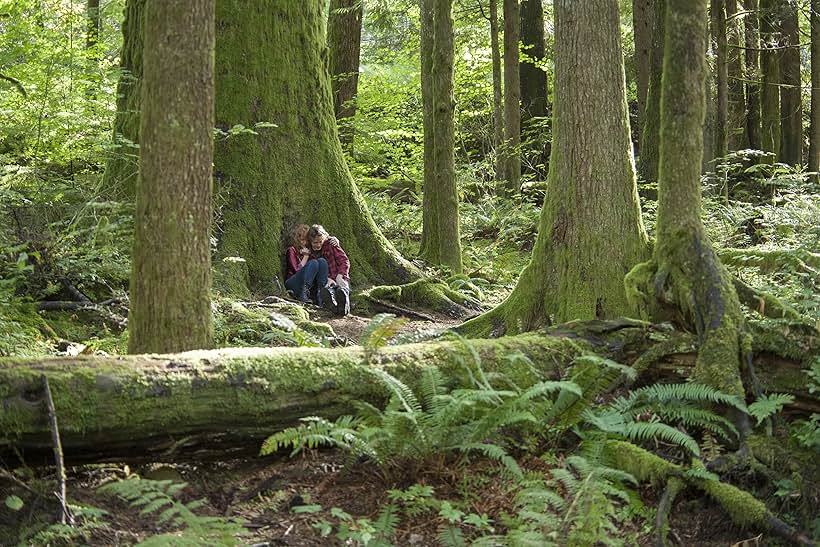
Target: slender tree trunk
{"type": "Point", "coordinates": [648, 161]}
{"type": "Point", "coordinates": [92, 36]}
{"type": "Point", "coordinates": [590, 233]}
{"type": "Point", "coordinates": [344, 39]}
{"type": "Point", "coordinates": [498, 105]}
{"type": "Point", "coordinates": [752, 73]}
{"type": "Point", "coordinates": [442, 242]}
{"type": "Point", "coordinates": [685, 273]}
{"type": "Point", "coordinates": [533, 78]}
{"type": "Point", "coordinates": [642, 29]}
{"type": "Point", "coordinates": [512, 98]}
{"type": "Point", "coordinates": [294, 172]}
{"type": "Point", "coordinates": [736, 95]}
{"type": "Point", "coordinates": [718, 28]}
{"type": "Point", "coordinates": [770, 66]}
{"type": "Point", "coordinates": [171, 269]}
{"type": "Point", "coordinates": [791, 96]}
{"type": "Point", "coordinates": [814, 131]}
{"type": "Point", "coordinates": [428, 247]}
{"type": "Point", "coordinates": [122, 166]}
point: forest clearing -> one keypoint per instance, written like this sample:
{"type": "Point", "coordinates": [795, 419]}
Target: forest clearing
{"type": "Point", "coordinates": [410, 272]}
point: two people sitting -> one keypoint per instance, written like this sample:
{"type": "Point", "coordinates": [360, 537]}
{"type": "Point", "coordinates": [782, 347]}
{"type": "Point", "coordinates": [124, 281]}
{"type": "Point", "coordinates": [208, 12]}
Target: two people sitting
{"type": "Point", "coordinates": [317, 264]}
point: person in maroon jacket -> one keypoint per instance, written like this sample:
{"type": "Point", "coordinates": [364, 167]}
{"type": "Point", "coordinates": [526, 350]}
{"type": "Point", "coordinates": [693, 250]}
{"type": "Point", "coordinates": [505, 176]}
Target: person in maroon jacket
{"type": "Point", "coordinates": [303, 271]}
{"type": "Point", "coordinates": [328, 248]}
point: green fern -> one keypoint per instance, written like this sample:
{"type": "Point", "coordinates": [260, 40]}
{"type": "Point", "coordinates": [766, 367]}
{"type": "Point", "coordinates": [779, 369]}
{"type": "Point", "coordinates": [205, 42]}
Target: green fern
{"type": "Point", "coordinates": [196, 530]}
{"type": "Point", "coordinates": [769, 405]}
{"type": "Point", "coordinates": [381, 329]}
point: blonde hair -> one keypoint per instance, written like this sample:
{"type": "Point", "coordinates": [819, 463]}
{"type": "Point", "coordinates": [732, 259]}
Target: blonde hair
{"type": "Point", "coordinates": [299, 233]}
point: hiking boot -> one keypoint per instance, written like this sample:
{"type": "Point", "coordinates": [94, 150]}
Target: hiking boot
{"type": "Point", "coordinates": [342, 301]}
{"type": "Point", "coordinates": [327, 299]}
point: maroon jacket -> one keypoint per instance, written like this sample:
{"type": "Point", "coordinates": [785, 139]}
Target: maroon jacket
{"type": "Point", "coordinates": [294, 261]}
{"type": "Point", "coordinates": [337, 261]}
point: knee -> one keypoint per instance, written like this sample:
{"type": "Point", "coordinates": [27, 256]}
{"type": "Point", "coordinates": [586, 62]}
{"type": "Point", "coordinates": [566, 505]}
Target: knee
{"type": "Point", "coordinates": [322, 263]}
{"type": "Point", "coordinates": [311, 266]}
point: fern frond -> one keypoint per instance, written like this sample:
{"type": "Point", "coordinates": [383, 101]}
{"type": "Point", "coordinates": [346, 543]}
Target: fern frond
{"type": "Point", "coordinates": [663, 393]}
{"type": "Point", "coordinates": [400, 391]}
{"type": "Point", "coordinates": [494, 452]}
{"type": "Point", "coordinates": [451, 536]}
{"type": "Point", "coordinates": [768, 405]}
{"type": "Point", "coordinates": [380, 330]}
{"type": "Point", "coordinates": [642, 431]}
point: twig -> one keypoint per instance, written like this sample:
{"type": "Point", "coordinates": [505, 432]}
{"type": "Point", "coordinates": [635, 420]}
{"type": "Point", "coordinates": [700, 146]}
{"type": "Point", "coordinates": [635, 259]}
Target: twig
{"type": "Point", "coordinates": [399, 309]}
{"type": "Point", "coordinates": [58, 454]}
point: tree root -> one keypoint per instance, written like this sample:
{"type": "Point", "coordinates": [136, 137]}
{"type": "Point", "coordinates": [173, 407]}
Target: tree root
{"type": "Point", "coordinates": [424, 293]}
{"type": "Point", "coordinates": [743, 508]}
{"type": "Point", "coordinates": [673, 486]}
{"type": "Point", "coordinates": [763, 303]}
{"type": "Point", "coordinates": [800, 260]}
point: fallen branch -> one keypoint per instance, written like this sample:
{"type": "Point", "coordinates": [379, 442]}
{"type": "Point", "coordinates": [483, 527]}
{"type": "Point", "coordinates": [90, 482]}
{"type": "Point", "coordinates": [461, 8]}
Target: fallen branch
{"type": "Point", "coordinates": [58, 453]}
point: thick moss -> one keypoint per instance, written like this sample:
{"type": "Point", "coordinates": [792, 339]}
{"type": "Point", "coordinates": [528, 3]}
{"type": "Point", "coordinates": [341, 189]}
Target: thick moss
{"type": "Point", "coordinates": [423, 293]}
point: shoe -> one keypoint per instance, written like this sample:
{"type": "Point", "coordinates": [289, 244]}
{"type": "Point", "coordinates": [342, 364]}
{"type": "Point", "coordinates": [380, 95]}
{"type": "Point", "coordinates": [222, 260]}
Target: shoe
{"type": "Point", "coordinates": [304, 295]}
{"type": "Point", "coordinates": [327, 299]}
{"type": "Point", "coordinates": [342, 302]}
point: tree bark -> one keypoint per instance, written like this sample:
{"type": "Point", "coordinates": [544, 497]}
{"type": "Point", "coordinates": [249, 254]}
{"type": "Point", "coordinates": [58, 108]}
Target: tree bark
{"type": "Point", "coordinates": [642, 29]}
{"type": "Point", "coordinates": [441, 242]}
{"type": "Point", "coordinates": [168, 407]}
{"type": "Point", "coordinates": [752, 73]}
{"type": "Point", "coordinates": [650, 134]}
{"type": "Point", "coordinates": [791, 102]}
{"type": "Point", "coordinates": [590, 232]}
{"type": "Point", "coordinates": [512, 98]}
{"type": "Point", "coordinates": [292, 173]}
{"type": "Point", "coordinates": [814, 131]}
{"type": "Point", "coordinates": [685, 280]}
{"type": "Point", "coordinates": [534, 101]}
{"type": "Point", "coordinates": [170, 306]}
{"type": "Point", "coordinates": [344, 40]}
{"type": "Point", "coordinates": [718, 28]}
{"type": "Point", "coordinates": [92, 35]}
{"type": "Point", "coordinates": [498, 105]}
{"type": "Point", "coordinates": [736, 96]}
{"type": "Point", "coordinates": [770, 67]}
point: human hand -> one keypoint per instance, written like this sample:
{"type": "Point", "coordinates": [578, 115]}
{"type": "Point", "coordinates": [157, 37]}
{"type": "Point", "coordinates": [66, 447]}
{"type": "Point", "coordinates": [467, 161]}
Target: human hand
{"type": "Point", "coordinates": [304, 251]}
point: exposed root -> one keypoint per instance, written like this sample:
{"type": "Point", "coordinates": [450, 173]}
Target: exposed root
{"type": "Point", "coordinates": [425, 294]}
{"type": "Point", "coordinates": [673, 486]}
{"type": "Point", "coordinates": [763, 303]}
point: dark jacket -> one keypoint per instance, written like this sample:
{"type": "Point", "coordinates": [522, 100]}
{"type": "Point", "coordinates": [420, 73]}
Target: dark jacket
{"type": "Point", "coordinates": [337, 261]}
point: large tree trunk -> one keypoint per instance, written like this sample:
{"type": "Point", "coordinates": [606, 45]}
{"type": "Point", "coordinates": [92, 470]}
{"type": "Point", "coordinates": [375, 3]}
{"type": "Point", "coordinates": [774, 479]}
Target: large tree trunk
{"type": "Point", "coordinates": [736, 96]}
{"type": "Point", "coordinates": [770, 67]}
{"type": "Point", "coordinates": [685, 274]}
{"type": "Point", "coordinates": [167, 407]}
{"type": "Point", "coordinates": [441, 242]}
{"type": "Point", "coordinates": [814, 131]}
{"type": "Point", "coordinates": [590, 233]}
{"type": "Point", "coordinates": [752, 73]}
{"type": "Point", "coordinates": [791, 96]}
{"type": "Point", "coordinates": [533, 78]}
{"type": "Point", "coordinates": [648, 160]}
{"type": "Point", "coordinates": [171, 265]}
{"type": "Point", "coordinates": [512, 98]}
{"type": "Point", "coordinates": [270, 68]}
{"type": "Point", "coordinates": [718, 31]}
{"type": "Point", "coordinates": [344, 40]}
{"type": "Point", "coordinates": [498, 105]}
{"type": "Point", "coordinates": [642, 29]}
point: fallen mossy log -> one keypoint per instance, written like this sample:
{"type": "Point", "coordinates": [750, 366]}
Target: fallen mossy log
{"type": "Point", "coordinates": [165, 407]}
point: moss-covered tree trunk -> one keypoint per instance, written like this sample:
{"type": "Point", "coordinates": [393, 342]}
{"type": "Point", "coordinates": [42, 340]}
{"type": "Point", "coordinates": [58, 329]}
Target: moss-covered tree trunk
{"type": "Point", "coordinates": [718, 31]}
{"type": "Point", "coordinates": [170, 306]}
{"type": "Point", "coordinates": [534, 100]}
{"type": "Point", "coordinates": [685, 275]}
{"type": "Point", "coordinates": [498, 104]}
{"type": "Point", "coordinates": [512, 98]}
{"type": "Point", "coordinates": [441, 241]}
{"type": "Point", "coordinates": [122, 166]}
{"type": "Point", "coordinates": [590, 232]}
{"type": "Point", "coordinates": [736, 92]}
{"type": "Point", "coordinates": [344, 40]}
{"type": "Point", "coordinates": [751, 59]}
{"type": "Point", "coordinates": [770, 68]}
{"type": "Point", "coordinates": [648, 160]}
{"type": "Point", "coordinates": [791, 95]}
{"type": "Point", "coordinates": [814, 130]}
{"type": "Point", "coordinates": [271, 67]}
{"type": "Point", "coordinates": [642, 30]}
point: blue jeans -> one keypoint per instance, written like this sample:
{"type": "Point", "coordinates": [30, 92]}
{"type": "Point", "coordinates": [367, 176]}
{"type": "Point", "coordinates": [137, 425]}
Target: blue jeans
{"type": "Point", "coordinates": [313, 273]}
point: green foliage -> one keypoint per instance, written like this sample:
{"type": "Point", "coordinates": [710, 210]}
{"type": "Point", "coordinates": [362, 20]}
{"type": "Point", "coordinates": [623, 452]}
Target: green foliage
{"type": "Point", "coordinates": [86, 520]}
{"type": "Point", "coordinates": [768, 405]}
{"type": "Point", "coordinates": [153, 496]}
{"type": "Point", "coordinates": [361, 531]}
{"type": "Point", "coordinates": [381, 329]}
{"type": "Point", "coordinates": [14, 503]}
